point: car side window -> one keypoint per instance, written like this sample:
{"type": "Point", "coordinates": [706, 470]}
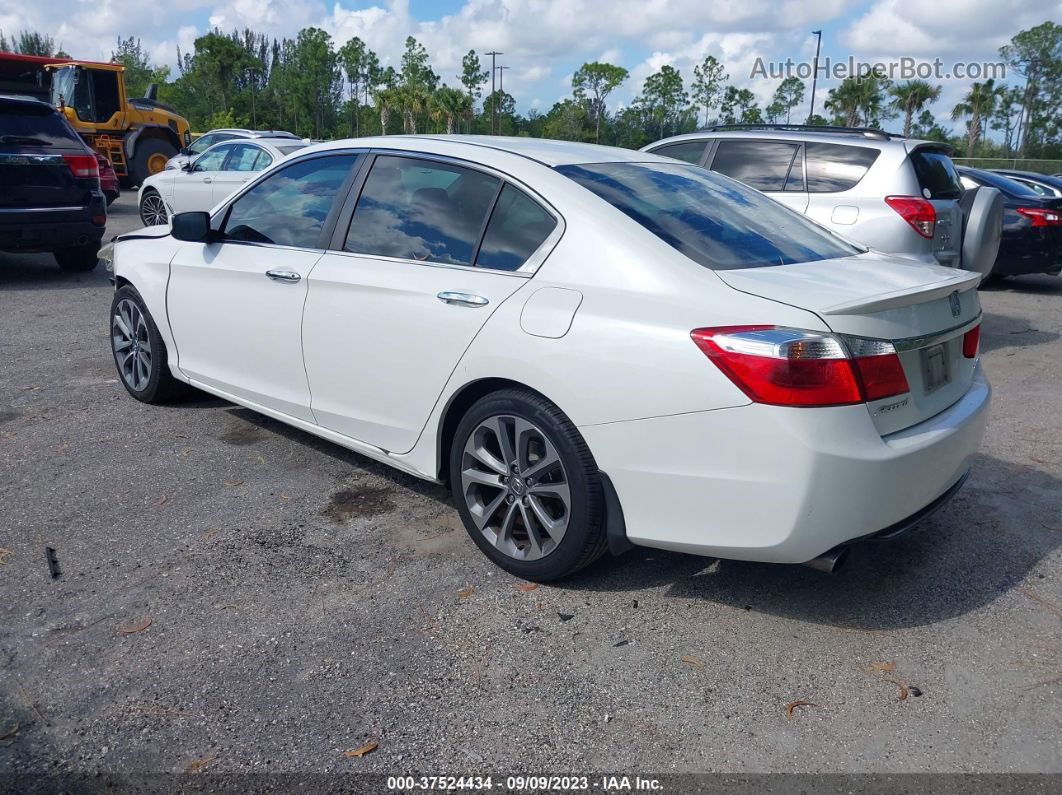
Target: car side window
{"type": "Point", "coordinates": [263, 161]}
{"type": "Point", "coordinates": [244, 157]}
{"type": "Point", "coordinates": [690, 151]}
{"type": "Point", "coordinates": [763, 165]}
{"type": "Point", "coordinates": [517, 227]}
{"type": "Point", "coordinates": [289, 207]}
{"type": "Point", "coordinates": [203, 142]}
{"type": "Point", "coordinates": [424, 210]}
{"type": "Point", "coordinates": [212, 160]}
{"type": "Point", "coordinates": [837, 167]}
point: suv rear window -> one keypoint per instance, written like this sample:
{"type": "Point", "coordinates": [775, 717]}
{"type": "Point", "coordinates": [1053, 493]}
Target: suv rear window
{"type": "Point", "coordinates": [22, 124]}
{"type": "Point", "coordinates": [717, 222]}
{"type": "Point", "coordinates": [936, 174]}
{"type": "Point", "coordinates": [837, 167]}
{"type": "Point", "coordinates": [690, 151]}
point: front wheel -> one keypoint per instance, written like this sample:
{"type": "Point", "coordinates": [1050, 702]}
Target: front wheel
{"type": "Point", "coordinates": [153, 209]}
{"type": "Point", "coordinates": [527, 486]}
{"type": "Point", "coordinates": [138, 350]}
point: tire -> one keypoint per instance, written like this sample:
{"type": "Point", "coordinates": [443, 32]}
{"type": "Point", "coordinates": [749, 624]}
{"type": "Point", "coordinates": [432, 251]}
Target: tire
{"type": "Point", "coordinates": [147, 377]}
{"type": "Point", "coordinates": [149, 152]}
{"type": "Point", "coordinates": [78, 259]}
{"type": "Point", "coordinates": [152, 207]}
{"type": "Point", "coordinates": [505, 504]}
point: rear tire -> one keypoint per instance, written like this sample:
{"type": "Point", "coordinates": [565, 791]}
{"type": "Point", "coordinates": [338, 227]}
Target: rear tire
{"type": "Point", "coordinates": [78, 259]}
{"type": "Point", "coordinates": [552, 484]}
{"type": "Point", "coordinates": [153, 210]}
{"type": "Point", "coordinates": [149, 154]}
{"type": "Point", "coordinates": [138, 350]}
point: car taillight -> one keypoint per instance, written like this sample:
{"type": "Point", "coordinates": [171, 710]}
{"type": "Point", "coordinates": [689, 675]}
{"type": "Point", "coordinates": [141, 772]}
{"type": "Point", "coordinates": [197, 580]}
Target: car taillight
{"type": "Point", "coordinates": [83, 165]}
{"type": "Point", "coordinates": [793, 367]}
{"type": "Point", "coordinates": [916, 211]}
{"type": "Point", "coordinates": [1041, 216]}
{"type": "Point", "coordinates": [971, 342]}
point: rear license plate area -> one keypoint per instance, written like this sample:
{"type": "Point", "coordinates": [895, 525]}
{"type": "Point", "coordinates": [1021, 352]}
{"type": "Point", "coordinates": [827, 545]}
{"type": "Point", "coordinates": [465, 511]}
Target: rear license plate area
{"type": "Point", "coordinates": [935, 368]}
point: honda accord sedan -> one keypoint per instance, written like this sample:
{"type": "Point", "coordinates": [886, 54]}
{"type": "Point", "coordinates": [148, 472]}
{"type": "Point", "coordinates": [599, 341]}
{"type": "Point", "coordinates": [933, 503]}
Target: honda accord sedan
{"type": "Point", "coordinates": [592, 347]}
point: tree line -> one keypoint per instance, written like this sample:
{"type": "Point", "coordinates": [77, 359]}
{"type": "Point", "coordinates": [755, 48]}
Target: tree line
{"type": "Point", "coordinates": [311, 87]}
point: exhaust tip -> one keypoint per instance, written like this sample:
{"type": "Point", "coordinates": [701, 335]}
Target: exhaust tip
{"type": "Point", "coordinates": [829, 562]}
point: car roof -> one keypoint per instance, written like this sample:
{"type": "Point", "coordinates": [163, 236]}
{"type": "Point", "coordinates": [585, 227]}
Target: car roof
{"type": "Point", "coordinates": [269, 143]}
{"type": "Point", "coordinates": [1033, 175]}
{"type": "Point", "coordinates": [22, 99]}
{"type": "Point", "coordinates": [253, 133]}
{"type": "Point", "coordinates": [546, 151]}
{"type": "Point", "coordinates": [854, 137]}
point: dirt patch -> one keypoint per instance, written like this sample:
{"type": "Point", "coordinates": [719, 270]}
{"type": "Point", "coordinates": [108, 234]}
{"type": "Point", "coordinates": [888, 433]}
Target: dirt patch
{"type": "Point", "coordinates": [357, 503]}
{"type": "Point", "coordinates": [8, 416]}
{"type": "Point", "coordinates": [241, 435]}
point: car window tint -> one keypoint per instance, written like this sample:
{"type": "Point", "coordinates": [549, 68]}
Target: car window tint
{"type": "Point", "coordinates": [287, 150]}
{"type": "Point", "coordinates": [837, 167]}
{"type": "Point", "coordinates": [203, 142]}
{"type": "Point", "coordinates": [936, 174]}
{"type": "Point", "coordinates": [690, 151]}
{"type": "Point", "coordinates": [244, 157]}
{"type": "Point", "coordinates": [716, 222]}
{"type": "Point", "coordinates": [421, 209]}
{"type": "Point", "coordinates": [36, 125]}
{"type": "Point", "coordinates": [290, 206]}
{"type": "Point", "coordinates": [763, 165]}
{"type": "Point", "coordinates": [516, 229]}
{"type": "Point", "coordinates": [212, 160]}
{"type": "Point", "coordinates": [262, 161]}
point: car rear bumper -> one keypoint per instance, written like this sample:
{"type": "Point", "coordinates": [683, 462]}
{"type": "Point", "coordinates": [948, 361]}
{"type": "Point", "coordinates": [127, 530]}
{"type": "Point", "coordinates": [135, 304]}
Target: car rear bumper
{"type": "Point", "coordinates": [782, 484]}
{"type": "Point", "coordinates": [50, 231]}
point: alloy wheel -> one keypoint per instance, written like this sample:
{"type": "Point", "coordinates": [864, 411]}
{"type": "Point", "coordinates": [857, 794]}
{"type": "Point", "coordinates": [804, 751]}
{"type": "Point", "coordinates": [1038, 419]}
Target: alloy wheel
{"type": "Point", "coordinates": [153, 210]}
{"type": "Point", "coordinates": [515, 487]}
{"type": "Point", "coordinates": [132, 344]}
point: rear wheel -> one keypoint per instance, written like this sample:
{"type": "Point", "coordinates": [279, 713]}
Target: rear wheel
{"type": "Point", "coordinates": [77, 259]}
{"type": "Point", "coordinates": [138, 350]}
{"type": "Point", "coordinates": [153, 209]}
{"type": "Point", "coordinates": [527, 487]}
{"type": "Point", "coordinates": [150, 158]}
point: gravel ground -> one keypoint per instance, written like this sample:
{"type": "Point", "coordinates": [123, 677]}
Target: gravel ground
{"type": "Point", "coordinates": [304, 601]}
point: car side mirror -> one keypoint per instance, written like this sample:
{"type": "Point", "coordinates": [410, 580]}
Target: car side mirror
{"type": "Point", "coordinates": [188, 166]}
{"type": "Point", "coordinates": [192, 227]}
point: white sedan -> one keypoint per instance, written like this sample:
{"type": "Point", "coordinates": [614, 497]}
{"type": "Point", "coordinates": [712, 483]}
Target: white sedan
{"type": "Point", "coordinates": [213, 175]}
{"type": "Point", "coordinates": [592, 347]}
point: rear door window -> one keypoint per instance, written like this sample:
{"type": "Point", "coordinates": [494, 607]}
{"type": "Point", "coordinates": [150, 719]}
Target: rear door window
{"type": "Point", "coordinates": [763, 165]}
{"type": "Point", "coordinates": [936, 174]}
{"type": "Point", "coordinates": [690, 151]}
{"type": "Point", "coordinates": [424, 210]}
{"type": "Point", "coordinates": [246, 157]}
{"type": "Point", "coordinates": [517, 227]}
{"type": "Point", "coordinates": [837, 167]}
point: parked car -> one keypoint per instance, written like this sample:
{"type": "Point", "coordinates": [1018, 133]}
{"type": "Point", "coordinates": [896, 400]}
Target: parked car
{"type": "Point", "coordinates": [894, 194]}
{"type": "Point", "coordinates": [1042, 184]}
{"type": "Point", "coordinates": [209, 178]}
{"type": "Point", "coordinates": [594, 347]}
{"type": "Point", "coordinates": [1032, 226]}
{"type": "Point", "coordinates": [207, 140]}
{"type": "Point", "coordinates": [51, 198]}
{"type": "Point", "coordinates": [108, 179]}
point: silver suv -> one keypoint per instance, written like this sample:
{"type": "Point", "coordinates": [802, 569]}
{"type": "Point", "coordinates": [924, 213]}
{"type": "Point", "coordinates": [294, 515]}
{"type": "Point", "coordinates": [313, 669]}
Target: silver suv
{"type": "Point", "coordinates": [890, 193]}
{"type": "Point", "coordinates": [208, 139]}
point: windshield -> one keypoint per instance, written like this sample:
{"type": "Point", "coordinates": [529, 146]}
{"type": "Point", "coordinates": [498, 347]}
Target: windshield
{"type": "Point", "coordinates": [69, 88]}
{"type": "Point", "coordinates": [715, 221]}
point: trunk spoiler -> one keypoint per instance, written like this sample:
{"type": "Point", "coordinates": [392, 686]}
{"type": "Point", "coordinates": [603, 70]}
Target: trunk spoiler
{"type": "Point", "coordinates": [960, 282]}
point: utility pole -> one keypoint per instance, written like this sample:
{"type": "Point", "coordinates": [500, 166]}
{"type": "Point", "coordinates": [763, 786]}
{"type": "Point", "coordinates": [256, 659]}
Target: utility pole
{"type": "Point", "coordinates": [501, 79]}
{"type": "Point", "coordinates": [254, 115]}
{"type": "Point", "coordinates": [493, 69]}
{"type": "Point", "coordinates": [815, 73]}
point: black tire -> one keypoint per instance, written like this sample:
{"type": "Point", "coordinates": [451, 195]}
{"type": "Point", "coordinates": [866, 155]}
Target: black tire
{"type": "Point", "coordinates": [160, 385]}
{"type": "Point", "coordinates": [584, 540]}
{"type": "Point", "coordinates": [145, 149]}
{"type": "Point", "coordinates": [78, 259]}
{"type": "Point", "coordinates": [147, 213]}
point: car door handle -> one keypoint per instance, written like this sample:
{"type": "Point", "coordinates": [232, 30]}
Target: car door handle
{"type": "Point", "coordinates": [462, 299]}
{"type": "Point", "coordinates": [207, 179]}
{"type": "Point", "coordinates": [283, 276]}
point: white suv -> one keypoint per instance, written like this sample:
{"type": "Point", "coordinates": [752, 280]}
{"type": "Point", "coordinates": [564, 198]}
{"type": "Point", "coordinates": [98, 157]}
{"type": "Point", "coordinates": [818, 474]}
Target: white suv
{"type": "Point", "coordinates": [208, 139]}
{"type": "Point", "coordinates": [890, 193]}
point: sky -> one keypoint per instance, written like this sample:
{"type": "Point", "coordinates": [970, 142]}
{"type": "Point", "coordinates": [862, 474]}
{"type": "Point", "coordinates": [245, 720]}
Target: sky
{"type": "Point", "coordinates": [545, 41]}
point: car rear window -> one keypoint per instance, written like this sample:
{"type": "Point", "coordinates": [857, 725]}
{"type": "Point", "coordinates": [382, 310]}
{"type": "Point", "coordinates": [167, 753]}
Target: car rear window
{"type": "Point", "coordinates": [837, 167]}
{"type": "Point", "coordinates": [287, 150]}
{"type": "Point", "coordinates": [936, 174]}
{"type": "Point", "coordinates": [34, 125]}
{"type": "Point", "coordinates": [690, 151]}
{"type": "Point", "coordinates": [717, 222]}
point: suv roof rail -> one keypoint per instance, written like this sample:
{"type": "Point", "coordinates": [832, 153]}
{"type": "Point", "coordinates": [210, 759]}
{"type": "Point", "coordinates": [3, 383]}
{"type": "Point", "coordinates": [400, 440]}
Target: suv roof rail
{"type": "Point", "coordinates": [866, 132]}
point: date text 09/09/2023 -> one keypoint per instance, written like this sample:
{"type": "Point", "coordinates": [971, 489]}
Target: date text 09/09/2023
{"type": "Point", "coordinates": [523, 783]}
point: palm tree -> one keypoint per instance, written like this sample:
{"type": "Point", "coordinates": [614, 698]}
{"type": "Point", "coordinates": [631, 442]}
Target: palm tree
{"type": "Point", "coordinates": [978, 104]}
{"type": "Point", "coordinates": [909, 98]}
{"type": "Point", "coordinates": [386, 100]}
{"type": "Point", "coordinates": [846, 101]}
{"type": "Point", "coordinates": [450, 104]}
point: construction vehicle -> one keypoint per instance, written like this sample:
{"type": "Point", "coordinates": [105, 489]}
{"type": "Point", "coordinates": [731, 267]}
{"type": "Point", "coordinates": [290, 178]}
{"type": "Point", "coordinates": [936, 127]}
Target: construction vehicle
{"type": "Point", "coordinates": [137, 135]}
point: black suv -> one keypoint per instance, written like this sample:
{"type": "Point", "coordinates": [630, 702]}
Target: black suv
{"type": "Point", "coordinates": [51, 198]}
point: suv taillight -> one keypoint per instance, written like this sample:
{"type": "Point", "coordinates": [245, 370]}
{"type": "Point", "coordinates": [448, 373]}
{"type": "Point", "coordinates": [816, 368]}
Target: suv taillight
{"type": "Point", "coordinates": [1041, 216]}
{"type": "Point", "coordinates": [83, 165]}
{"type": "Point", "coordinates": [793, 367]}
{"type": "Point", "coordinates": [916, 211]}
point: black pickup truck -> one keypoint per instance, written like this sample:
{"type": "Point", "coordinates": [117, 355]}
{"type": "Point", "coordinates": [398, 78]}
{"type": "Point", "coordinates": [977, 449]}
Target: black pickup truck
{"type": "Point", "coordinates": [50, 196]}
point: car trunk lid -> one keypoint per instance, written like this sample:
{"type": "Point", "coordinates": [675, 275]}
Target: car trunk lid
{"type": "Point", "coordinates": [924, 310]}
